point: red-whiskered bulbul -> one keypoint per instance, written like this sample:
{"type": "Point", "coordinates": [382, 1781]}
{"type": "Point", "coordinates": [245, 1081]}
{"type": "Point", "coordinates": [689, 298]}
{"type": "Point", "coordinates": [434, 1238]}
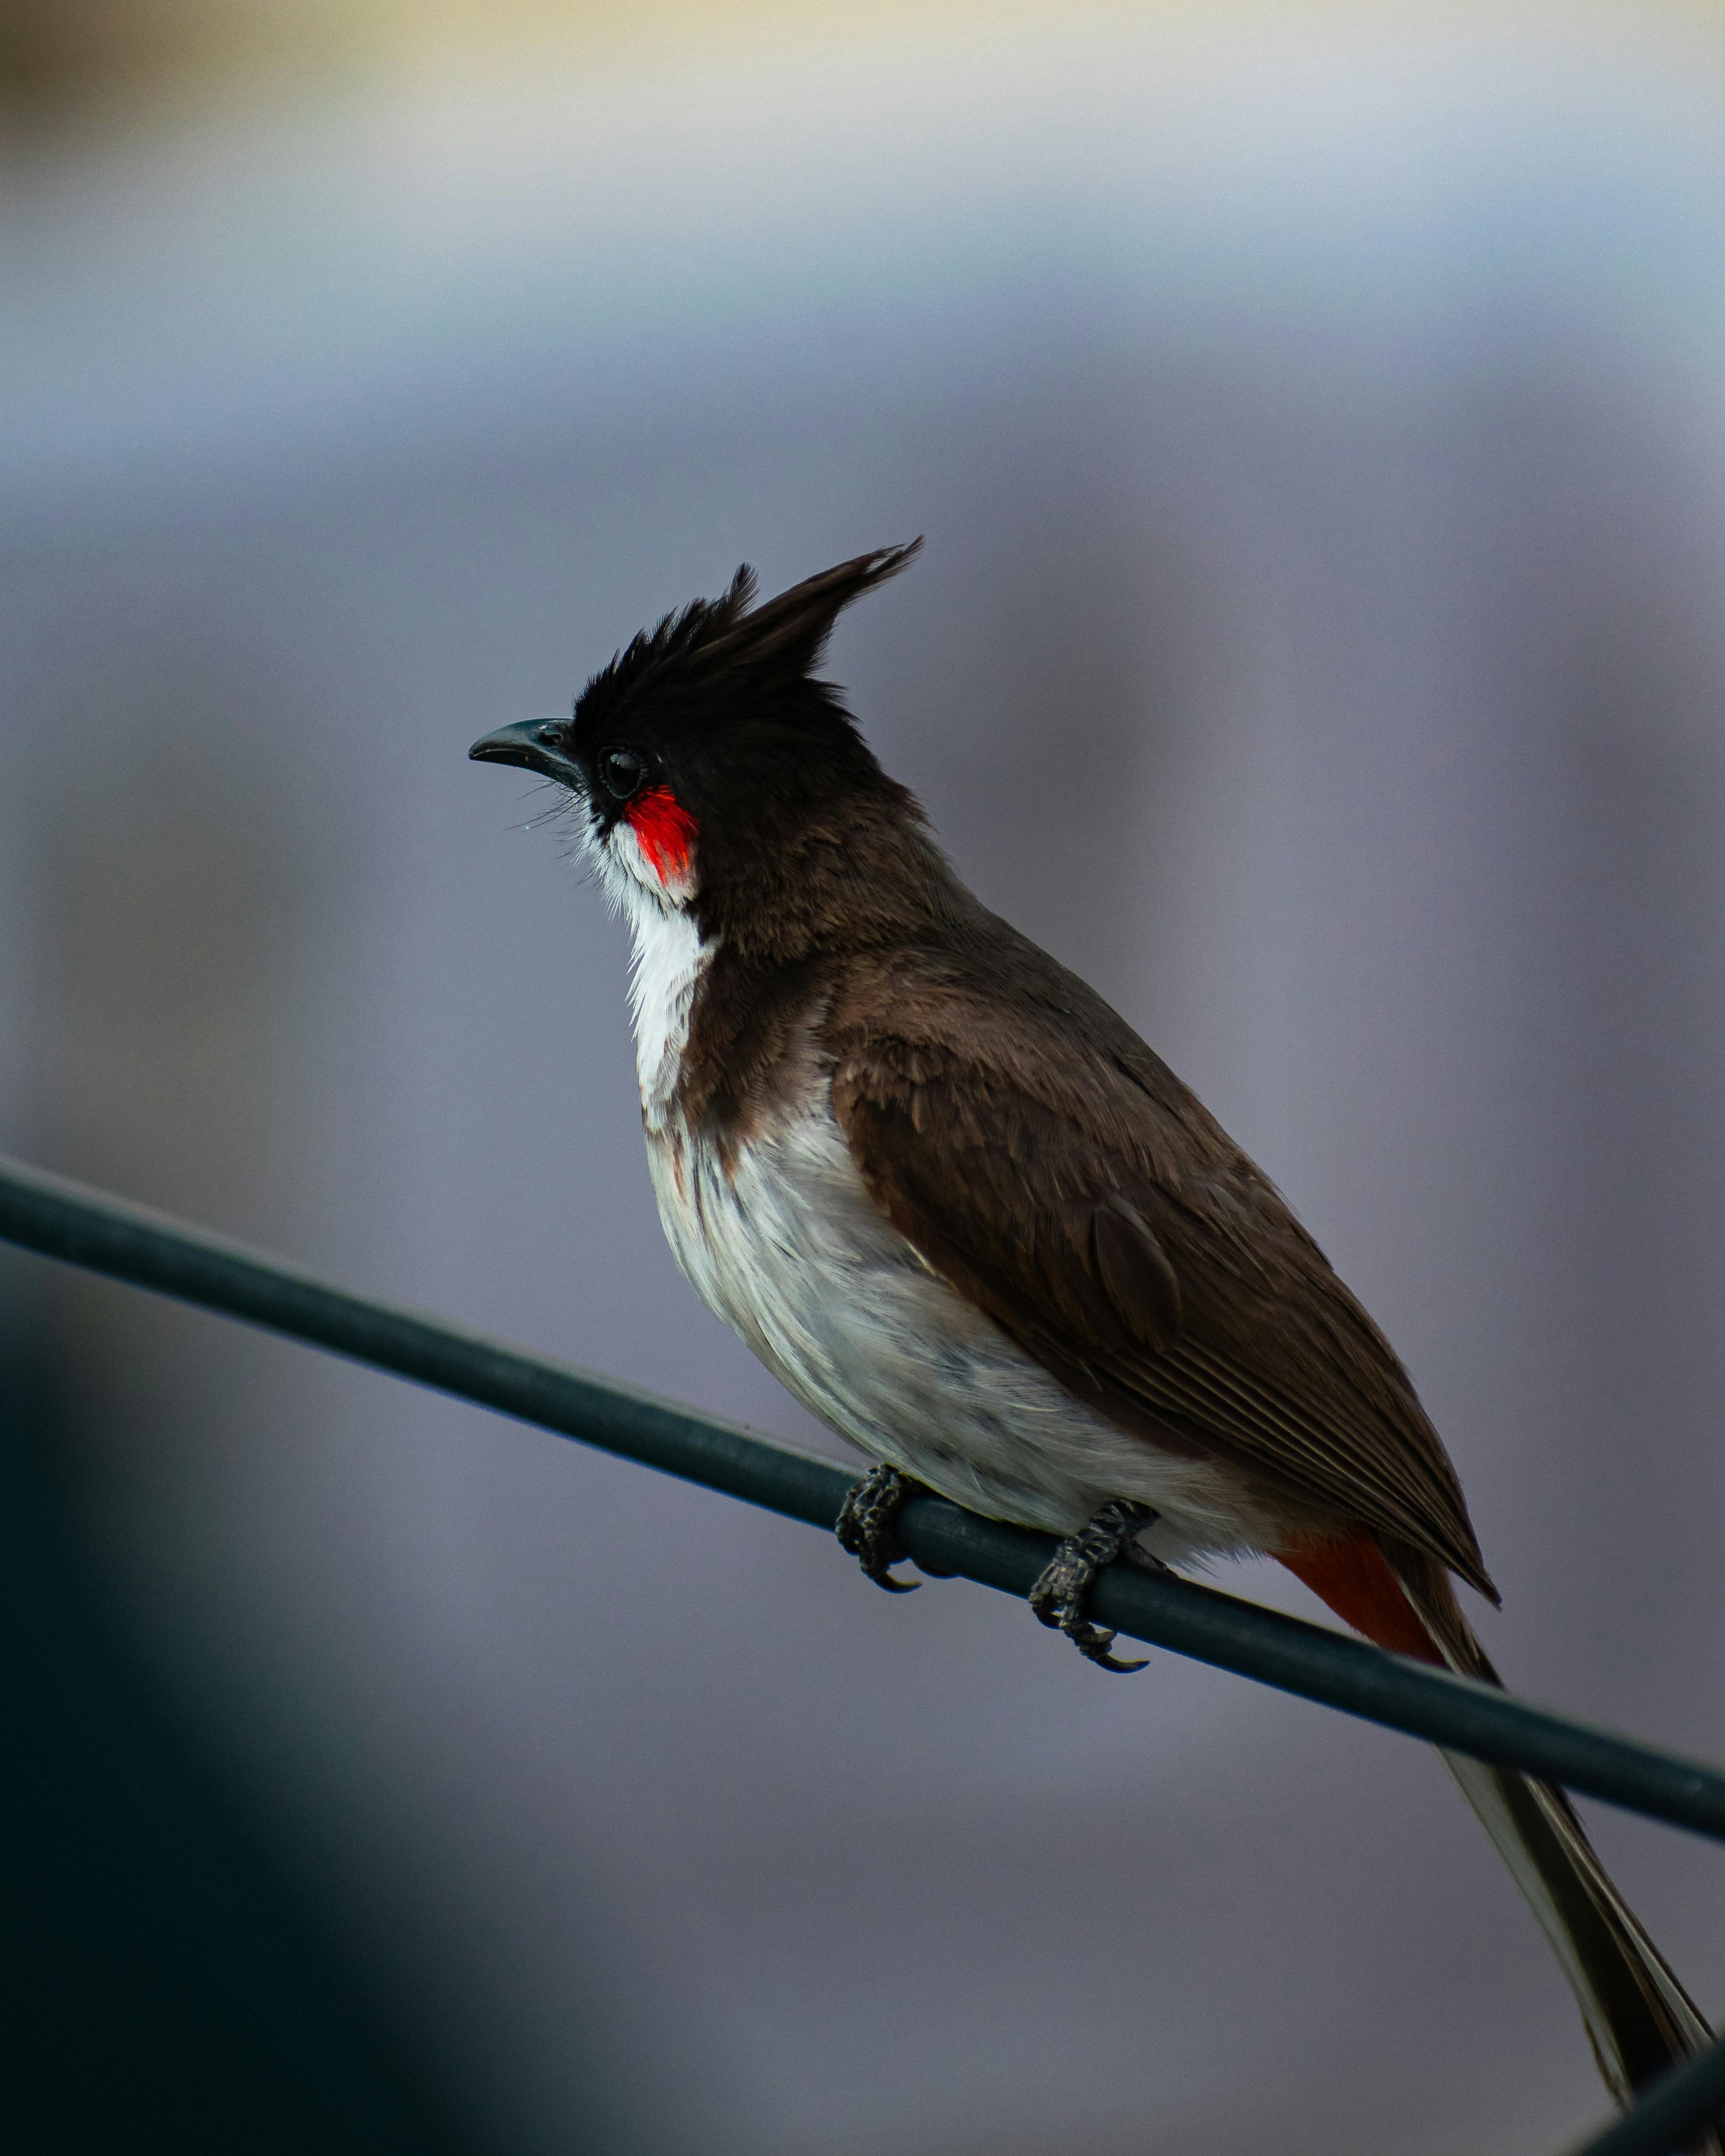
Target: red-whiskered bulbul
{"type": "Point", "coordinates": [971, 1222]}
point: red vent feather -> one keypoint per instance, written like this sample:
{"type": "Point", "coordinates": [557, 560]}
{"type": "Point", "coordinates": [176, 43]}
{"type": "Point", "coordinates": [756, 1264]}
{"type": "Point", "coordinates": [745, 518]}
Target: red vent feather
{"type": "Point", "coordinates": [1355, 1578]}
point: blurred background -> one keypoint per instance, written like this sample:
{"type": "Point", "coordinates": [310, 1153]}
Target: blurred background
{"type": "Point", "coordinates": [1317, 417]}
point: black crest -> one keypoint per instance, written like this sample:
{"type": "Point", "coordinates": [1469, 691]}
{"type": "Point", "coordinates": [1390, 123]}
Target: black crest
{"type": "Point", "coordinates": [713, 646]}
{"type": "Point", "coordinates": [791, 632]}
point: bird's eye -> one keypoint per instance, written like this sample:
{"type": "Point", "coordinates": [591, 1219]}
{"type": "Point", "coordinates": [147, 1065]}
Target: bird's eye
{"type": "Point", "coordinates": [621, 771]}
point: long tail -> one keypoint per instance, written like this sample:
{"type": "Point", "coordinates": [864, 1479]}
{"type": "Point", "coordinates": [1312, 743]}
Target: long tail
{"type": "Point", "coordinates": [1639, 2018]}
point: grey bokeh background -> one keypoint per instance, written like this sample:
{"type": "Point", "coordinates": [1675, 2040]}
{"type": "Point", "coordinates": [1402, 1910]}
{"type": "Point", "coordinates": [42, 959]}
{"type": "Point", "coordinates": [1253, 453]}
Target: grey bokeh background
{"type": "Point", "coordinates": [1318, 423]}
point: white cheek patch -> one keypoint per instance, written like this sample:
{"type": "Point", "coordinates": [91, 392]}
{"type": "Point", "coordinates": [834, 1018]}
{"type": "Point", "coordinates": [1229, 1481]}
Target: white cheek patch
{"type": "Point", "coordinates": [626, 876]}
{"type": "Point", "coordinates": [624, 868]}
{"type": "Point", "coordinates": [628, 854]}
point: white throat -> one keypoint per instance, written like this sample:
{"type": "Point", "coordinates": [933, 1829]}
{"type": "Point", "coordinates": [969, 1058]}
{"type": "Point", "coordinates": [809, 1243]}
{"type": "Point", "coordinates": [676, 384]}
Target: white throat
{"type": "Point", "coordinates": [669, 960]}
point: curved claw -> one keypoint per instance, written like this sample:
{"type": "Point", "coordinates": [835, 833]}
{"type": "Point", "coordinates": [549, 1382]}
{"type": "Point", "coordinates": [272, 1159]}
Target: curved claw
{"type": "Point", "coordinates": [865, 1526]}
{"type": "Point", "coordinates": [1058, 1596]}
{"type": "Point", "coordinates": [1096, 1650]}
{"type": "Point", "coordinates": [1067, 1616]}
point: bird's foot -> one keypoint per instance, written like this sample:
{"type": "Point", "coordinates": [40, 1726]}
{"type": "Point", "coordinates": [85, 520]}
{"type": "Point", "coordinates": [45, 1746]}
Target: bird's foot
{"type": "Point", "coordinates": [1059, 1596]}
{"type": "Point", "coordinates": [866, 1525]}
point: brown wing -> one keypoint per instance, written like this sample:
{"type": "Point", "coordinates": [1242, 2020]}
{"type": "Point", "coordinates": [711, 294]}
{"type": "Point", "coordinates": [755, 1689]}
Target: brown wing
{"type": "Point", "coordinates": [1051, 1168]}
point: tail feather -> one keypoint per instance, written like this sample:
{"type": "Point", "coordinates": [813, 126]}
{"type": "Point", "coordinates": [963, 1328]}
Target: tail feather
{"type": "Point", "coordinates": [1638, 2019]}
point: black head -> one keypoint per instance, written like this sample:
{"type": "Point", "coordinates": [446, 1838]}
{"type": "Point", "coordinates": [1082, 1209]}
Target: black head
{"type": "Point", "coordinates": [706, 756]}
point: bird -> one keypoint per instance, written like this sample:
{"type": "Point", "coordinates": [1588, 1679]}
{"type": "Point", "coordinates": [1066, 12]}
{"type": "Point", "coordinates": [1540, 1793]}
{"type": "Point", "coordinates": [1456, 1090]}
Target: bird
{"type": "Point", "coordinates": [980, 1230]}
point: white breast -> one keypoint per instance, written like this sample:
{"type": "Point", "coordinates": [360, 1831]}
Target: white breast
{"type": "Point", "coordinates": [787, 1246]}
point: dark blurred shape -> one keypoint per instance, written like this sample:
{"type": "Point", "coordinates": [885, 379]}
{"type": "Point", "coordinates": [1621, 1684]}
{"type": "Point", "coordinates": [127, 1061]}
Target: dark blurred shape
{"type": "Point", "coordinates": [118, 61]}
{"type": "Point", "coordinates": [171, 1974]}
{"type": "Point", "coordinates": [164, 1986]}
{"type": "Point", "coordinates": [57, 54]}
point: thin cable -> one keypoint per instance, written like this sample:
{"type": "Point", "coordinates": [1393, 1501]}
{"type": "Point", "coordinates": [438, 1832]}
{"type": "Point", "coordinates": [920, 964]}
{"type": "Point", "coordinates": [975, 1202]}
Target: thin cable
{"type": "Point", "coordinates": [1679, 2106]}
{"type": "Point", "coordinates": [60, 1219]}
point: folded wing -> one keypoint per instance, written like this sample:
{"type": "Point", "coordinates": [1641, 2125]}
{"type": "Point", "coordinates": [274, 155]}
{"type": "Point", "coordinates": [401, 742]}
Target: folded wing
{"type": "Point", "coordinates": [1053, 1169]}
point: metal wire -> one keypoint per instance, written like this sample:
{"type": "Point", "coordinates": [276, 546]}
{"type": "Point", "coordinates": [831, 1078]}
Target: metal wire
{"type": "Point", "coordinates": [60, 1219]}
{"type": "Point", "coordinates": [1677, 2107]}
{"type": "Point", "coordinates": [64, 1219]}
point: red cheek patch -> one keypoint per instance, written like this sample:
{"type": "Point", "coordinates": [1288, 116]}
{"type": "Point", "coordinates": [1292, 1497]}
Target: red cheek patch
{"type": "Point", "coordinates": [665, 829]}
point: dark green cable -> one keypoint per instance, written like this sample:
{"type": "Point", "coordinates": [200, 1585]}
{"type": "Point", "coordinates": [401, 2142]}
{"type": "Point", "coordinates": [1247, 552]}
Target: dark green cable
{"type": "Point", "coordinates": [63, 1220]}
{"type": "Point", "coordinates": [1670, 2114]}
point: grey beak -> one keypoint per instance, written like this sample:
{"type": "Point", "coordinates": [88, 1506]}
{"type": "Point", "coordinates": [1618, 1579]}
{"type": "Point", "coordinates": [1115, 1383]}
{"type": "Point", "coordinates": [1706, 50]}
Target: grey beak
{"type": "Point", "coordinates": [540, 745]}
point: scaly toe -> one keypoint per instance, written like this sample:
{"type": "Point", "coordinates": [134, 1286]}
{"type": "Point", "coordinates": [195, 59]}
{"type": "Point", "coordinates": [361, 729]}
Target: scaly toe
{"type": "Point", "coordinates": [1059, 1595]}
{"type": "Point", "coordinates": [866, 1525]}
